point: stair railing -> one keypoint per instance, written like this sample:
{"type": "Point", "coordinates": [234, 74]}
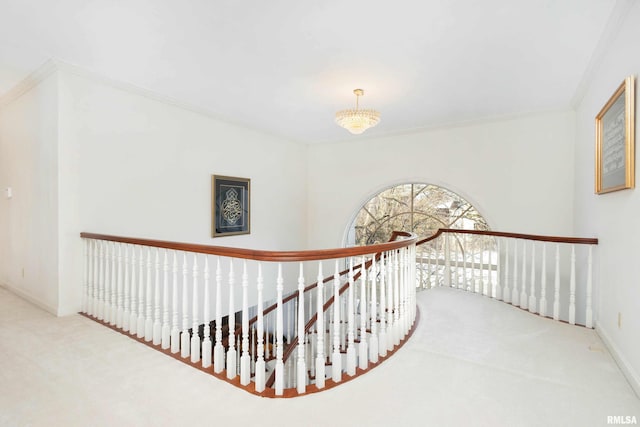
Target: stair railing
{"type": "Point", "coordinates": [546, 275]}
{"type": "Point", "coordinates": [195, 302]}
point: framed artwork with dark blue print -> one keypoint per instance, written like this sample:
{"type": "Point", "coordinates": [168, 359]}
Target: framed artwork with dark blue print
{"type": "Point", "coordinates": [231, 210]}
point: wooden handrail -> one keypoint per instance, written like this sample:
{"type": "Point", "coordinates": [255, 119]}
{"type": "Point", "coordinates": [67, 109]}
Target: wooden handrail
{"type": "Point", "coordinates": [259, 255]}
{"type": "Point", "coordinates": [553, 239]}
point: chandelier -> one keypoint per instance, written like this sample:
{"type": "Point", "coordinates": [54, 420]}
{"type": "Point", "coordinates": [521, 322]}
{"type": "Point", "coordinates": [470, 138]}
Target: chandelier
{"type": "Point", "coordinates": [356, 120]}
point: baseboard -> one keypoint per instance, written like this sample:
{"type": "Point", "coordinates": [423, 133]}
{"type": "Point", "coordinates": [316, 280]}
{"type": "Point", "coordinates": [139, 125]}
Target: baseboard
{"type": "Point", "coordinates": [627, 370]}
{"type": "Point", "coordinates": [28, 297]}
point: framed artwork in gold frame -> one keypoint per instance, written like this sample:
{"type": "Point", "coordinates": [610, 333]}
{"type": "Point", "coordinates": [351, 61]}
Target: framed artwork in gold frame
{"type": "Point", "coordinates": [231, 205]}
{"type": "Point", "coordinates": [615, 141]}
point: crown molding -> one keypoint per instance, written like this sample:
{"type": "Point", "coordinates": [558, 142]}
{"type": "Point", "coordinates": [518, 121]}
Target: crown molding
{"type": "Point", "coordinates": [134, 89]}
{"type": "Point", "coordinates": [55, 64]}
{"type": "Point", "coordinates": [32, 80]}
{"type": "Point", "coordinates": [612, 28]}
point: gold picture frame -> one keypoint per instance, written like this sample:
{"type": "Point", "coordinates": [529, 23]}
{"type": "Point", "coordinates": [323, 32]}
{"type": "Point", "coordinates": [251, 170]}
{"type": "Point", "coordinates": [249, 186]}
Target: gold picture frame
{"type": "Point", "coordinates": [615, 141]}
{"type": "Point", "coordinates": [230, 206]}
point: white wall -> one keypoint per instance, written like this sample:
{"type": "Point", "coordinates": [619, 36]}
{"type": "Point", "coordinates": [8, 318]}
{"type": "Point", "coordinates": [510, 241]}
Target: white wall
{"type": "Point", "coordinates": [612, 217]}
{"type": "Point", "coordinates": [132, 165]}
{"type": "Point", "coordinates": [29, 220]}
{"type": "Point", "coordinates": [517, 172]}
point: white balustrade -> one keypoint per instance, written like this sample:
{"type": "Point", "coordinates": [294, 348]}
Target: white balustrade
{"type": "Point", "coordinates": [365, 314]}
{"type": "Point", "coordinates": [503, 268]}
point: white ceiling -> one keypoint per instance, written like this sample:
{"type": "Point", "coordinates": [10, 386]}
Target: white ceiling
{"type": "Point", "coordinates": [285, 67]}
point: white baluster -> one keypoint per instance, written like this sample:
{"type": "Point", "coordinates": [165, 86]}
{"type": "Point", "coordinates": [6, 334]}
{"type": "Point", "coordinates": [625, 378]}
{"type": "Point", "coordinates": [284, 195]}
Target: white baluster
{"type": "Point", "coordinates": [484, 286]}
{"type": "Point", "coordinates": [157, 326]}
{"type": "Point", "coordinates": [396, 298]}
{"type": "Point", "coordinates": [126, 314]}
{"type": "Point", "coordinates": [301, 380]}
{"type": "Point", "coordinates": [148, 324]}
{"type": "Point", "coordinates": [382, 338]}
{"type": "Point", "coordinates": [447, 260]}
{"type": "Point", "coordinates": [496, 290]}
{"type": "Point", "coordinates": [532, 290]}
{"type": "Point", "coordinates": [556, 293]}
{"type": "Point", "coordinates": [101, 283]}
{"type": "Point", "coordinates": [88, 303]}
{"type": "Point", "coordinates": [351, 348]}
{"type": "Point", "coordinates": [279, 383]}
{"type": "Point", "coordinates": [109, 283]}
{"type": "Point", "coordinates": [184, 336]}
{"type": "Point", "coordinates": [363, 359]}
{"type": "Point", "coordinates": [429, 270]}
{"type": "Point", "coordinates": [166, 329]}
{"type": "Point", "coordinates": [465, 267]}
{"type": "Point", "coordinates": [96, 278]}
{"type": "Point", "coordinates": [336, 360]}
{"type": "Point", "coordinates": [515, 295]}
{"type": "Point", "coordinates": [175, 330]}
{"type": "Point", "coordinates": [141, 305]}
{"type": "Point", "coordinates": [524, 300]}
{"type": "Point", "coordinates": [572, 288]}
{"type": "Point", "coordinates": [320, 331]}
{"type": "Point", "coordinates": [119, 288]}
{"type": "Point", "coordinates": [133, 317]}
{"type": "Point", "coordinates": [422, 284]}
{"type": "Point", "coordinates": [473, 285]}
{"type": "Point", "coordinates": [195, 337]}
{"type": "Point", "coordinates": [115, 282]}
{"type": "Point", "coordinates": [106, 310]}
{"type": "Point", "coordinates": [245, 365]}
{"type": "Point", "coordinates": [373, 339]}
{"type": "Point", "coordinates": [456, 272]}
{"type": "Point", "coordinates": [85, 276]}
{"type": "Point", "coordinates": [506, 291]}
{"type": "Point", "coordinates": [490, 287]}
{"type": "Point", "coordinates": [403, 293]}
{"type": "Point", "coordinates": [390, 311]}
{"type": "Point", "coordinates": [231, 353]}
{"type": "Point", "coordinates": [218, 349]}
{"type": "Point", "coordinates": [543, 282]}
{"type": "Point", "coordinates": [206, 342]}
{"type": "Point", "coordinates": [589, 310]}
{"type": "Point", "coordinates": [260, 363]}
{"type": "Point", "coordinates": [437, 271]}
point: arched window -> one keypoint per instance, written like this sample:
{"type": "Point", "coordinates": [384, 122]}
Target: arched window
{"type": "Point", "coordinates": [423, 209]}
{"type": "Point", "coordinates": [415, 207]}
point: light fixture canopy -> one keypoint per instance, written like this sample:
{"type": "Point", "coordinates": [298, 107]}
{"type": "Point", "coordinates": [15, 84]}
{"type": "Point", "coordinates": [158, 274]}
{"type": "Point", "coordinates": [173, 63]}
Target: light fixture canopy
{"type": "Point", "coordinates": [356, 120]}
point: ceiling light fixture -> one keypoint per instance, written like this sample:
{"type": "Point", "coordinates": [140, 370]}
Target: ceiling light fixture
{"type": "Point", "coordinates": [356, 120]}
